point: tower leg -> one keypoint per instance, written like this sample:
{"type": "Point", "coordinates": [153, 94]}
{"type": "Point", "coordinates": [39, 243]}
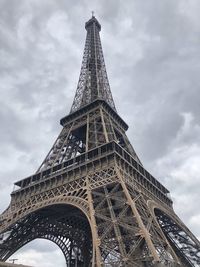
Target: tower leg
{"type": "Point", "coordinates": [96, 259]}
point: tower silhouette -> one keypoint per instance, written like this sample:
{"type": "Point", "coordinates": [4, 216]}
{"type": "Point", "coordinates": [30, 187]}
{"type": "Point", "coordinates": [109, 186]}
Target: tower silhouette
{"type": "Point", "coordinates": [91, 195]}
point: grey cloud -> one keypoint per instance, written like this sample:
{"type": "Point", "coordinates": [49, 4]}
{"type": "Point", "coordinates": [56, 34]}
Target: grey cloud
{"type": "Point", "coordinates": [152, 58]}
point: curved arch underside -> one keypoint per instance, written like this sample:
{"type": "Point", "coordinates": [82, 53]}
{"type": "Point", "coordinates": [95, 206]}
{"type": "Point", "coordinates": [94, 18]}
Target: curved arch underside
{"type": "Point", "coordinates": [64, 225]}
{"type": "Point", "coordinates": [183, 242]}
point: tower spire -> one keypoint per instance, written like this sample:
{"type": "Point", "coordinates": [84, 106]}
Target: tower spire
{"type": "Point", "coordinates": [93, 81]}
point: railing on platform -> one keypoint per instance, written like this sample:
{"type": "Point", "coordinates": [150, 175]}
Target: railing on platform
{"type": "Point", "coordinates": [86, 158]}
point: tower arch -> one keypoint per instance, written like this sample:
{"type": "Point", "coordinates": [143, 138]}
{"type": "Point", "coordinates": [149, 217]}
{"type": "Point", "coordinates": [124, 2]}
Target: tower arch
{"type": "Point", "coordinates": [64, 224]}
{"type": "Point", "coordinates": [180, 238]}
{"type": "Point", "coordinates": [184, 243]}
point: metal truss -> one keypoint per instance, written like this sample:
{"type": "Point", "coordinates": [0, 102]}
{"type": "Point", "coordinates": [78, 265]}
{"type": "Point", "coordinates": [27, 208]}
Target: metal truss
{"type": "Point", "coordinates": [64, 225]}
{"type": "Point", "coordinates": [91, 127]}
{"type": "Point", "coordinates": [101, 206]}
{"type": "Point", "coordinates": [93, 82]}
{"type": "Point", "coordinates": [186, 245]}
{"type": "Point", "coordinates": [91, 195]}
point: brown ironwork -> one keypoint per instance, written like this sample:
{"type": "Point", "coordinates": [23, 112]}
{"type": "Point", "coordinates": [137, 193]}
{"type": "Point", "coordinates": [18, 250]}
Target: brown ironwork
{"type": "Point", "coordinates": [91, 195]}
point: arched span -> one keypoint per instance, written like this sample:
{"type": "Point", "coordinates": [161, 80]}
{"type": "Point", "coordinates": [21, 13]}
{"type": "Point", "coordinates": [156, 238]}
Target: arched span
{"type": "Point", "coordinates": [183, 242]}
{"type": "Point", "coordinates": [25, 209]}
{"type": "Point", "coordinates": [64, 224]}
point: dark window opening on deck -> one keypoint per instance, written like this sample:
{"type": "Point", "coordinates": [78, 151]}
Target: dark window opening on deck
{"type": "Point", "coordinates": [79, 135]}
{"type": "Point", "coordinates": [120, 139]}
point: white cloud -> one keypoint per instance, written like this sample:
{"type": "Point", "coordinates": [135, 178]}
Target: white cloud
{"type": "Point", "coordinates": [44, 254]}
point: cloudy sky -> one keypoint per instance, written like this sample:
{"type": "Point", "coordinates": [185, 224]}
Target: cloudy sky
{"type": "Point", "coordinates": [152, 54]}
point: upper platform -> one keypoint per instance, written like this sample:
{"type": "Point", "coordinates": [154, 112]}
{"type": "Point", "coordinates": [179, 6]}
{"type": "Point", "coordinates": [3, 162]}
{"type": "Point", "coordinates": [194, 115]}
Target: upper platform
{"type": "Point", "coordinates": [91, 22]}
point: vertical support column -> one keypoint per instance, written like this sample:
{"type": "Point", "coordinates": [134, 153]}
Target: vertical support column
{"type": "Point", "coordinates": [96, 261]}
{"type": "Point", "coordinates": [87, 132]}
{"type": "Point", "coordinates": [113, 130]}
{"type": "Point", "coordinates": [145, 232]}
{"type": "Point", "coordinates": [116, 227]}
{"type": "Point", "coordinates": [95, 132]}
{"type": "Point", "coordinates": [96, 60]}
{"type": "Point", "coordinates": [104, 126]}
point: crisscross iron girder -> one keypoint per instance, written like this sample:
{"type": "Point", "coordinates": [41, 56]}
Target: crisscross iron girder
{"type": "Point", "coordinates": [91, 128]}
{"type": "Point", "coordinates": [93, 81]}
{"type": "Point", "coordinates": [120, 220]}
{"type": "Point", "coordinates": [186, 246]}
{"type": "Point", "coordinates": [62, 224]}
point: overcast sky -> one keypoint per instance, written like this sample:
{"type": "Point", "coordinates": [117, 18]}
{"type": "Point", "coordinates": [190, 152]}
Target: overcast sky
{"type": "Point", "coordinates": [152, 55]}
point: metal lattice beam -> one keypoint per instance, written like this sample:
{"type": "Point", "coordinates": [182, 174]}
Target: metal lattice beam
{"type": "Point", "coordinates": [93, 82]}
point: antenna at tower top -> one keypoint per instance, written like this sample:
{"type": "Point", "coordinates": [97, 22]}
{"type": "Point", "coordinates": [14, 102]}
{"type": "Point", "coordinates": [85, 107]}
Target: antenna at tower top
{"type": "Point", "coordinates": [92, 13]}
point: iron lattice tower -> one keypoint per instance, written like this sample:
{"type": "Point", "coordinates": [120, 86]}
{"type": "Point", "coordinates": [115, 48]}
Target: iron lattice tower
{"type": "Point", "coordinates": [91, 195]}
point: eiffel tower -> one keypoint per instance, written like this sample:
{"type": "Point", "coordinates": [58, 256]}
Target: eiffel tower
{"type": "Point", "coordinates": [91, 195]}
